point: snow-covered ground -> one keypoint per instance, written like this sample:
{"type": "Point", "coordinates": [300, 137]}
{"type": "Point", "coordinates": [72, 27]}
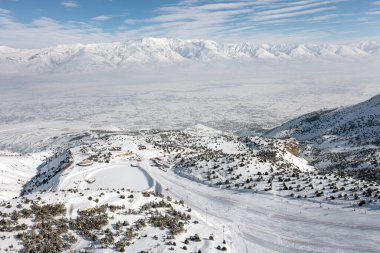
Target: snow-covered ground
{"type": "Point", "coordinates": [16, 170]}
{"type": "Point", "coordinates": [108, 177]}
{"type": "Point", "coordinates": [346, 138]}
{"type": "Point", "coordinates": [118, 177]}
{"type": "Point", "coordinates": [249, 221]}
{"type": "Point", "coordinates": [265, 223]}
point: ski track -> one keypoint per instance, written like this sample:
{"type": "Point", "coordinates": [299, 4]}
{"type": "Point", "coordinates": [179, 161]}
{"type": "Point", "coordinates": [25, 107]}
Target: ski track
{"type": "Point", "coordinates": [257, 223]}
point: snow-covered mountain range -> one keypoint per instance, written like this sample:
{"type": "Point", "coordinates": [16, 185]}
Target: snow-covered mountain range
{"type": "Point", "coordinates": [108, 56]}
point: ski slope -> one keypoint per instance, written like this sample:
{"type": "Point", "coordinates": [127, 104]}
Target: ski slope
{"type": "Point", "coordinates": [264, 223]}
{"type": "Point", "coordinates": [16, 170]}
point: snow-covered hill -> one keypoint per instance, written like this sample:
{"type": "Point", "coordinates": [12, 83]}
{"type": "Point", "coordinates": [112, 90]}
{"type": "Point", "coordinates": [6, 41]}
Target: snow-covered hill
{"type": "Point", "coordinates": [192, 190]}
{"type": "Point", "coordinates": [16, 170]}
{"type": "Point", "coordinates": [106, 56]}
{"type": "Point", "coordinates": [340, 139]}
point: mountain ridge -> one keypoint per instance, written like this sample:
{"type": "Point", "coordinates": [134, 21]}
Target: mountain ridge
{"type": "Point", "coordinates": [113, 55]}
{"type": "Point", "coordinates": [345, 139]}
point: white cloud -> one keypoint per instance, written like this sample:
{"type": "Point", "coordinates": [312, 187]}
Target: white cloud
{"type": "Point", "coordinates": [45, 22]}
{"type": "Point", "coordinates": [45, 32]}
{"type": "Point", "coordinates": [70, 4]}
{"type": "Point", "coordinates": [130, 21]}
{"type": "Point", "coordinates": [373, 12]}
{"type": "Point", "coordinates": [292, 14]}
{"type": "Point", "coordinates": [297, 8]}
{"type": "Point", "coordinates": [376, 3]}
{"type": "Point", "coordinates": [221, 6]}
{"type": "Point", "coordinates": [329, 16]}
{"type": "Point", "coordinates": [5, 12]}
{"type": "Point", "coordinates": [190, 19]}
{"type": "Point", "coordinates": [102, 18]}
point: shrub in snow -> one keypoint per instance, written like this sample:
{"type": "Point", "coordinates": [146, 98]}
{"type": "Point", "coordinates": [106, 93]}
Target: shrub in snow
{"type": "Point", "coordinates": [89, 220]}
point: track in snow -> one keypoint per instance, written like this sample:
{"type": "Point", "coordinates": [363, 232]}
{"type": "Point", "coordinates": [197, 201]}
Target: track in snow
{"type": "Point", "coordinates": [264, 223]}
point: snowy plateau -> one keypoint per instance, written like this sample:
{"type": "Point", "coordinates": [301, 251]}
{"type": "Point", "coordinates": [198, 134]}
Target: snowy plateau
{"type": "Point", "coordinates": [167, 145]}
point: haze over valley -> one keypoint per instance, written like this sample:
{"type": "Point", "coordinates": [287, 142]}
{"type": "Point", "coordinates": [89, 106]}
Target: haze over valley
{"type": "Point", "coordinates": [189, 126]}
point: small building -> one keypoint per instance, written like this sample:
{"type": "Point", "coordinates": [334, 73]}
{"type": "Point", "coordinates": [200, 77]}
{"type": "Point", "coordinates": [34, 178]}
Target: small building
{"type": "Point", "coordinates": [86, 162]}
{"type": "Point", "coordinates": [159, 163]}
{"type": "Point", "coordinates": [90, 180]}
{"type": "Point", "coordinates": [142, 147]}
{"type": "Point", "coordinates": [128, 153]}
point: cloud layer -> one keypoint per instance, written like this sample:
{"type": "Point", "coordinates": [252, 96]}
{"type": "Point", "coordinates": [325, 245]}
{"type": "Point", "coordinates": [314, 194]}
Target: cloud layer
{"type": "Point", "coordinates": [258, 21]}
{"type": "Point", "coordinates": [70, 4]}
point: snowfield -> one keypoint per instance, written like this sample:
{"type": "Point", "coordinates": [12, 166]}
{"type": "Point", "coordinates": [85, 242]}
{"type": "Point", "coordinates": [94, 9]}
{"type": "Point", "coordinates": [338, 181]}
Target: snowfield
{"type": "Point", "coordinates": [264, 223]}
{"type": "Point", "coordinates": [128, 165]}
{"type": "Point", "coordinates": [118, 177]}
{"type": "Point", "coordinates": [16, 170]}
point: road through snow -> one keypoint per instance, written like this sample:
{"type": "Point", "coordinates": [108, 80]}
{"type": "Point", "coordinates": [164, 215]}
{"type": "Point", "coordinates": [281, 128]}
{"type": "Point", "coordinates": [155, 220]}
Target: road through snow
{"type": "Point", "coordinates": [266, 223]}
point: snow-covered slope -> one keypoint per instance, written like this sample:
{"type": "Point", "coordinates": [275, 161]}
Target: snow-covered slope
{"type": "Point", "coordinates": [340, 139]}
{"type": "Point", "coordinates": [105, 56]}
{"type": "Point", "coordinates": [16, 170]}
{"type": "Point", "coordinates": [193, 190]}
{"type": "Point", "coordinates": [360, 121]}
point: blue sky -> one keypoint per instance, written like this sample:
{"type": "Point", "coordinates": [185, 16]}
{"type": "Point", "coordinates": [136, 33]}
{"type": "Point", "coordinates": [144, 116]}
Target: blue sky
{"type": "Point", "coordinates": [41, 23]}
